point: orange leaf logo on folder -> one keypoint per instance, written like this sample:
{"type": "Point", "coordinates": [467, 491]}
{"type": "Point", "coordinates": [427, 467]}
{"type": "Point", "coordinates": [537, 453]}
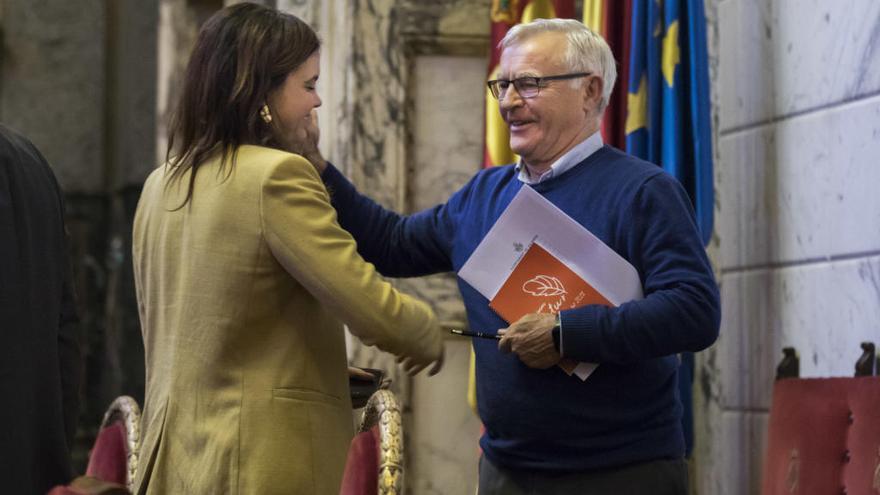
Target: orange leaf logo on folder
{"type": "Point", "coordinates": [541, 283]}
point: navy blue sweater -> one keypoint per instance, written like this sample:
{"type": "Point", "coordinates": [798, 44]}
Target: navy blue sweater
{"type": "Point", "coordinates": [628, 410]}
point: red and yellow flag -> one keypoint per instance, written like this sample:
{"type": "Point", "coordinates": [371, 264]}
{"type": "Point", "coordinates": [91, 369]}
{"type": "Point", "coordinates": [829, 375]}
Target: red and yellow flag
{"type": "Point", "coordinates": [611, 20]}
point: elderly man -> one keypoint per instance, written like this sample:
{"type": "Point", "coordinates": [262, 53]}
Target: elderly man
{"type": "Point", "coordinates": [547, 432]}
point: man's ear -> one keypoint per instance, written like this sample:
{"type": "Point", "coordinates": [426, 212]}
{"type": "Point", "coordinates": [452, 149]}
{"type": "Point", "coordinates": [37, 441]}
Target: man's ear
{"type": "Point", "coordinates": [593, 93]}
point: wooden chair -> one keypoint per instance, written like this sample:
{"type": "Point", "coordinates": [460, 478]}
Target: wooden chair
{"type": "Point", "coordinates": [824, 434]}
{"type": "Point", "coordinates": [114, 456]}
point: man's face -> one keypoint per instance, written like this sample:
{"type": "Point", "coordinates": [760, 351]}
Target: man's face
{"type": "Point", "coordinates": [545, 127]}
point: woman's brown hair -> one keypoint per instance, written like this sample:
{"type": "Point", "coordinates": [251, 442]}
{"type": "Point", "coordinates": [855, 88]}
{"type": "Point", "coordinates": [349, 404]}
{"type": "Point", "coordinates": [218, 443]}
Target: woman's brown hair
{"type": "Point", "coordinates": [242, 53]}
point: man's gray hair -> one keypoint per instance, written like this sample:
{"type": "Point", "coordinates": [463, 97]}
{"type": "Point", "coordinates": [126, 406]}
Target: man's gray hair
{"type": "Point", "coordinates": [587, 51]}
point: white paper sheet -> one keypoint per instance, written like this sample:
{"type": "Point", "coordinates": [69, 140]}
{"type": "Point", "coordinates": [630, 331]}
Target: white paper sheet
{"type": "Point", "coordinates": [531, 218]}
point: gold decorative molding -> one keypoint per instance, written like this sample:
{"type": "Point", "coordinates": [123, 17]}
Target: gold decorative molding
{"type": "Point", "coordinates": [383, 410]}
{"type": "Point", "coordinates": [125, 409]}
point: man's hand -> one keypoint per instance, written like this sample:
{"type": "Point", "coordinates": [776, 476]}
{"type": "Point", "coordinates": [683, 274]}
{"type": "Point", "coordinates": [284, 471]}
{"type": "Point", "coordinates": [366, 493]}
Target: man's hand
{"type": "Point", "coordinates": [304, 141]}
{"type": "Point", "coordinates": [531, 340]}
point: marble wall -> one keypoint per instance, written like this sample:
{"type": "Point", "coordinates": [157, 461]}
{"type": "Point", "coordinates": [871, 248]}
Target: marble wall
{"type": "Point", "coordinates": [797, 89]}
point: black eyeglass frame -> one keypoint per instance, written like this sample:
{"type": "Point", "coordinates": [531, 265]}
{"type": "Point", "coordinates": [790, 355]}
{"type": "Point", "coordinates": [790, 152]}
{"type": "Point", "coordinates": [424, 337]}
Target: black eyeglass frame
{"type": "Point", "coordinates": [540, 82]}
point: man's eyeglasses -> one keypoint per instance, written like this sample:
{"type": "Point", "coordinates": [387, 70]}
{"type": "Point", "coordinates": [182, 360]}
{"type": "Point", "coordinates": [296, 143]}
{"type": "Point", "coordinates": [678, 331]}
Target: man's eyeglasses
{"type": "Point", "coordinates": [527, 87]}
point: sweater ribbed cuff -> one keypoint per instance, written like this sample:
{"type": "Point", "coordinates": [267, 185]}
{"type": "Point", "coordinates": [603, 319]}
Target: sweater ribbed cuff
{"type": "Point", "coordinates": [579, 334]}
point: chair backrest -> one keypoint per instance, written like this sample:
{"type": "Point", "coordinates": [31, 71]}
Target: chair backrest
{"type": "Point", "coordinates": [114, 456]}
{"type": "Point", "coordinates": [375, 458]}
{"type": "Point", "coordinates": [824, 437]}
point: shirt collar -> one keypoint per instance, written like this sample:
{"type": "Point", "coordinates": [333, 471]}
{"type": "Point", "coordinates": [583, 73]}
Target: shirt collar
{"type": "Point", "coordinates": [565, 162]}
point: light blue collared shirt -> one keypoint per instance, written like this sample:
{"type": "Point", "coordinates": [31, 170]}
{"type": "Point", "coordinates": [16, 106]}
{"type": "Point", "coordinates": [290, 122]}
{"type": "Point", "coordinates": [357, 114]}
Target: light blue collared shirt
{"type": "Point", "coordinates": [565, 162]}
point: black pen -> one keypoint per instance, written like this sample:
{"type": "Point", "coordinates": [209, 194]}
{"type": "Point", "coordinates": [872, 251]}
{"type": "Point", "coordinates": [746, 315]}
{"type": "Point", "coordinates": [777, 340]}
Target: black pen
{"type": "Point", "coordinates": [465, 333]}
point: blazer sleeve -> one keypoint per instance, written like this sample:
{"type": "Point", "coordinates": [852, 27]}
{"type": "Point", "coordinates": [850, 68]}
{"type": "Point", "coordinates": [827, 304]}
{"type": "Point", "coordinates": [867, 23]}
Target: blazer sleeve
{"type": "Point", "coordinates": [303, 234]}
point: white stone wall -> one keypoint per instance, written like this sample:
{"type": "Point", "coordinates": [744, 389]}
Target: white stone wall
{"type": "Point", "coordinates": [797, 87]}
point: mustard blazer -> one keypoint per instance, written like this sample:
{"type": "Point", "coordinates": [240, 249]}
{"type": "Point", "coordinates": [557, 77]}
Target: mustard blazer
{"type": "Point", "coordinates": [242, 296]}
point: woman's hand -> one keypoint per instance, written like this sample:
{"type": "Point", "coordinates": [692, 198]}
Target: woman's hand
{"type": "Point", "coordinates": [413, 367]}
{"type": "Point", "coordinates": [359, 374]}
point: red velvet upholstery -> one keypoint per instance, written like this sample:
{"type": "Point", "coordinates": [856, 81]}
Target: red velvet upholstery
{"type": "Point", "coordinates": [87, 485]}
{"type": "Point", "coordinates": [362, 466]}
{"type": "Point", "coordinates": [824, 437]}
{"type": "Point", "coordinates": [107, 461]}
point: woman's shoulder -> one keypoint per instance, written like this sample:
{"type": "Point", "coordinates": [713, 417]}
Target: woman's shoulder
{"type": "Point", "coordinates": [271, 160]}
{"type": "Point", "coordinates": [266, 154]}
{"type": "Point", "coordinates": [272, 168]}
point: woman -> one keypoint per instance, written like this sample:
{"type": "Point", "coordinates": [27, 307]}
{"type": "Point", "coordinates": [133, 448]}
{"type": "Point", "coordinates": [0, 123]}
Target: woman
{"type": "Point", "coordinates": [244, 279]}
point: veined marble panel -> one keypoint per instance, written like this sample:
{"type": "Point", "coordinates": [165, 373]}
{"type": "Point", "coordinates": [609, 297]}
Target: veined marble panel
{"type": "Point", "coordinates": [824, 310]}
{"type": "Point", "coordinates": [448, 94]}
{"type": "Point", "coordinates": [365, 64]}
{"type": "Point", "coordinates": [442, 432]}
{"type": "Point", "coordinates": [447, 18]}
{"type": "Point", "coordinates": [734, 461]}
{"type": "Point", "coordinates": [334, 86]}
{"type": "Point", "coordinates": [307, 10]}
{"type": "Point", "coordinates": [803, 188]}
{"type": "Point", "coordinates": [179, 24]}
{"type": "Point", "coordinates": [378, 69]}
{"type": "Point", "coordinates": [780, 57]}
